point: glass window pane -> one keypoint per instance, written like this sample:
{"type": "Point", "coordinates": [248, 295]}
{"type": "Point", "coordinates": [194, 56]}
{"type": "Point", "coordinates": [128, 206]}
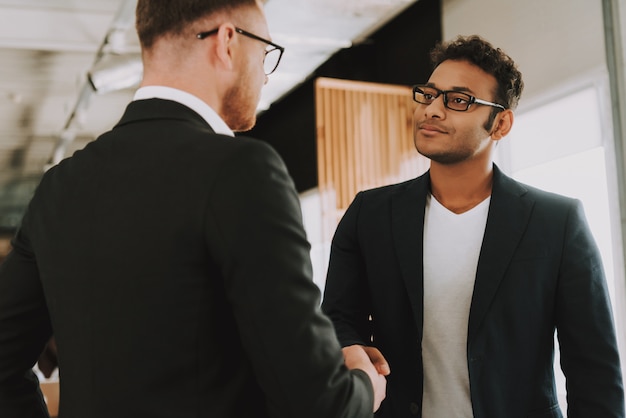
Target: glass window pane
{"type": "Point", "coordinates": [558, 147]}
{"type": "Point", "coordinates": [561, 127]}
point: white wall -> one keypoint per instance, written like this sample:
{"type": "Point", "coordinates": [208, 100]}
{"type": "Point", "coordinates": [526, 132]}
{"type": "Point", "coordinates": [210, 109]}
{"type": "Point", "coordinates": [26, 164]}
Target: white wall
{"type": "Point", "coordinates": [312, 219]}
{"type": "Point", "coordinates": [552, 41]}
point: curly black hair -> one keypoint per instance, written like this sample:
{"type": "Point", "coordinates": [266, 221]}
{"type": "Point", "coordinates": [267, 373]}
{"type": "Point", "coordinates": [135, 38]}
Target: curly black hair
{"type": "Point", "coordinates": [490, 59]}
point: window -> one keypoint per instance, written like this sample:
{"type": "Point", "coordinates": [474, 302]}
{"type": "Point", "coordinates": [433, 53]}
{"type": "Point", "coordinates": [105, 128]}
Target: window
{"type": "Point", "coordinates": [560, 146]}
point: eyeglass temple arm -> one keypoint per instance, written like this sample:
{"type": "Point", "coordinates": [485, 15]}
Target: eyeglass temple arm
{"type": "Point", "coordinates": [485, 102]}
{"type": "Point", "coordinates": [203, 35]}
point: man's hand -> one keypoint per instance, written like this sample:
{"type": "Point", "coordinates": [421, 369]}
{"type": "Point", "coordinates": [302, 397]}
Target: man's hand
{"type": "Point", "coordinates": [372, 362]}
{"type": "Point", "coordinates": [378, 360]}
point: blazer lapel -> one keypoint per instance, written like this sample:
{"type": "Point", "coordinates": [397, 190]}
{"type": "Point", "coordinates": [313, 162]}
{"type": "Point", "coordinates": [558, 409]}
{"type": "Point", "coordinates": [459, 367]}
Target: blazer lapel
{"type": "Point", "coordinates": [407, 217]}
{"type": "Point", "coordinates": [508, 216]}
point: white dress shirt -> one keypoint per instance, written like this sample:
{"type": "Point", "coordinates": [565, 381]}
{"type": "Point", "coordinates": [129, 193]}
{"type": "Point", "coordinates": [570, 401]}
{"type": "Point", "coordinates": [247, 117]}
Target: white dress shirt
{"type": "Point", "coordinates": [189, 100]}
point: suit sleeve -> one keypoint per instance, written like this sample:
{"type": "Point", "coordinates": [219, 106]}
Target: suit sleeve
{"type": "Point", "coordinates": [265, 259]}
{"type": "Point", "coordinates": [24, 329]}
{"type": "Point", "coordinates": [346, 296]}
{"type": "Point", "coordinates": [585, 329]}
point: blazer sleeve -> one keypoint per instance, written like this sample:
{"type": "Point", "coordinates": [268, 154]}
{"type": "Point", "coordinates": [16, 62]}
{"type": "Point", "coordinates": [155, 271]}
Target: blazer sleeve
{"type": "Point", "coordinates": [585, 329]}
{"type": "Point", "coordinates": [24, 329]}
{"type": "Point", "coordinates": [346, 295]}
{"type": "Point", "coordinates": [264, 254]}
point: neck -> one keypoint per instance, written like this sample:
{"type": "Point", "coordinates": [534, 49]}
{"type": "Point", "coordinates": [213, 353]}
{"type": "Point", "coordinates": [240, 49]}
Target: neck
{"type": "Point", "coordinates": [183, 70]}
{"type": "Point", "coordinates": [460, 188]}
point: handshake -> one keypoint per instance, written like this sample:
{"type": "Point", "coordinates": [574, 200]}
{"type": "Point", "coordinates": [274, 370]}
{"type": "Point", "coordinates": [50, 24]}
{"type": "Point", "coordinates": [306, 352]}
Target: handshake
{"type": "Point", "coordinates": [372, 362]}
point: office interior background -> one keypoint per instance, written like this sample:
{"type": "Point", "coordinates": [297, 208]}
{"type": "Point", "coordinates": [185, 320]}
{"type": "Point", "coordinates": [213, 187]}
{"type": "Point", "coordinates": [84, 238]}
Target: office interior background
{"type": "Point", "coordinates": [62, 58]}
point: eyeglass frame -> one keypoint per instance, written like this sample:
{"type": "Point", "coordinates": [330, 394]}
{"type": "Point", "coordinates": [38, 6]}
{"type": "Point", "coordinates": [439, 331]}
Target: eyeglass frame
{"type": "Point", "coordinates": [472, 99]}
{"type": "Point", "coordinates": [203, 35]}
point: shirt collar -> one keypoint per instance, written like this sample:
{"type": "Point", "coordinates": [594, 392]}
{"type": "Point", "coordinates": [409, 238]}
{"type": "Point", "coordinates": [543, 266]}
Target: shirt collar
{"type": "Point", "coordinates": [189, 100]}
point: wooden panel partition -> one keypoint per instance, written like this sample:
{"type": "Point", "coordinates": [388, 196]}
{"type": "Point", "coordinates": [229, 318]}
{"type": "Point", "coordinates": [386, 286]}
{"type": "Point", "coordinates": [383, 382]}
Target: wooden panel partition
{"type": "Point", "coordinates": [364, 140]}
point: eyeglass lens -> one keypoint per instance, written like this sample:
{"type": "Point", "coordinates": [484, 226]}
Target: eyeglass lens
{"type": "Point", "coordinates": [452, 100]}
{"type": "Point", "coordinates": [272, 57]}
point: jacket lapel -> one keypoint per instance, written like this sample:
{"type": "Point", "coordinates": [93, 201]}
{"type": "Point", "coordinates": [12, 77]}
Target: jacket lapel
{"type": "Point", "coordinates": [508, 216]}
{"type": "Point", "coordinates": [407, 217]}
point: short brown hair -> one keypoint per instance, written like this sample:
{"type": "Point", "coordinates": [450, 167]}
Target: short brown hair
{"type": "Point", "coordinates": [155, 18]}
{"type": "Point", "coordinates": [491, 60]}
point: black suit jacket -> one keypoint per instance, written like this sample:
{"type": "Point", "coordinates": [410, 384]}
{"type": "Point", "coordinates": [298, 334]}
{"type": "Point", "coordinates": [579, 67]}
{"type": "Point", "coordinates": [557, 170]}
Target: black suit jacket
{"type": "Point", "coordinates": [172, 267]}
{"type": "Point", "coordinates": [539, 269]}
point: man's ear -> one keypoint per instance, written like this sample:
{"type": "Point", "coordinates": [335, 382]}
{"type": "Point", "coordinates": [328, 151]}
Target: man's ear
{"type": "Point", "coordinates": [224, 45]}
{"type": "Point", "coordinates": [502, 125]}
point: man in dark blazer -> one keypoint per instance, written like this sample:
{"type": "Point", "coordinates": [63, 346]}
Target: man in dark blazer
{"type": "Point", "coordinates": [168, 258]}
{"type": "Point", "coordinates": [461, 276]}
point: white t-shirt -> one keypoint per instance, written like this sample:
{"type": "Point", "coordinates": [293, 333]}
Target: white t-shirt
{"type": "Point", "coordinates": [452, 245]}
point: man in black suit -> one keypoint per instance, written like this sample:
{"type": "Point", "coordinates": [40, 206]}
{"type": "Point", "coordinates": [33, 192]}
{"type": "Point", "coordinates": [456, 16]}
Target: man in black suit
{"type": "Point", "coordinates": [461, 276]}
{"type": "Point", "coordinates": [168, 258]}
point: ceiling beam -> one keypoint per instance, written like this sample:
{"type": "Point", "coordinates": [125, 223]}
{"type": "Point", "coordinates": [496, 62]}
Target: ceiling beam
{"type": "Point", "coordinates": [52, 30]}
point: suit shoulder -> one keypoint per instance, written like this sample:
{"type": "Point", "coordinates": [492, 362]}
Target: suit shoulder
{"type": "Point", "coordinates": [505, 185]}
{"type": "Point", "coordinates": [548, 197]}
{"type": "Point", "coordinates": [388, 190]}
{"type": "Point", "coordinates": [254, 144]}
{"type": "Point", "coordinates": [232, 150]}
{"type": "Point", "coordinates": [546, 203]}
{"type": "Point", "coordinates": [246, 150]}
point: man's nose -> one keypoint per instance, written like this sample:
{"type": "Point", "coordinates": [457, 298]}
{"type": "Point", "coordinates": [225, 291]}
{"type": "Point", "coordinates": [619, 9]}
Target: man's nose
{"type": "Point", "coordinates": [436, 108]}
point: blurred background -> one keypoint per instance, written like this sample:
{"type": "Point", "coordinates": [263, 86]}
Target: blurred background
{"type": "Point", "coordinates": [68, 68]}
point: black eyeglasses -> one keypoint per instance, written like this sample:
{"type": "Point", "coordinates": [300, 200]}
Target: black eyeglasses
{"type": "Point", "coordinates": [273, 52]}
{"type": "Point", "coordinates": [453, 100]}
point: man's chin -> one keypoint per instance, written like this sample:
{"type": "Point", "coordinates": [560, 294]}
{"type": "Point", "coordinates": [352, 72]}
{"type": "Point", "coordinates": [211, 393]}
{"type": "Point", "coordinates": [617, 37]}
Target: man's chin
{"type": "Point", "coordinates": [244, 126]}
{"type": "Point", "coordinates": [443, 159]}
